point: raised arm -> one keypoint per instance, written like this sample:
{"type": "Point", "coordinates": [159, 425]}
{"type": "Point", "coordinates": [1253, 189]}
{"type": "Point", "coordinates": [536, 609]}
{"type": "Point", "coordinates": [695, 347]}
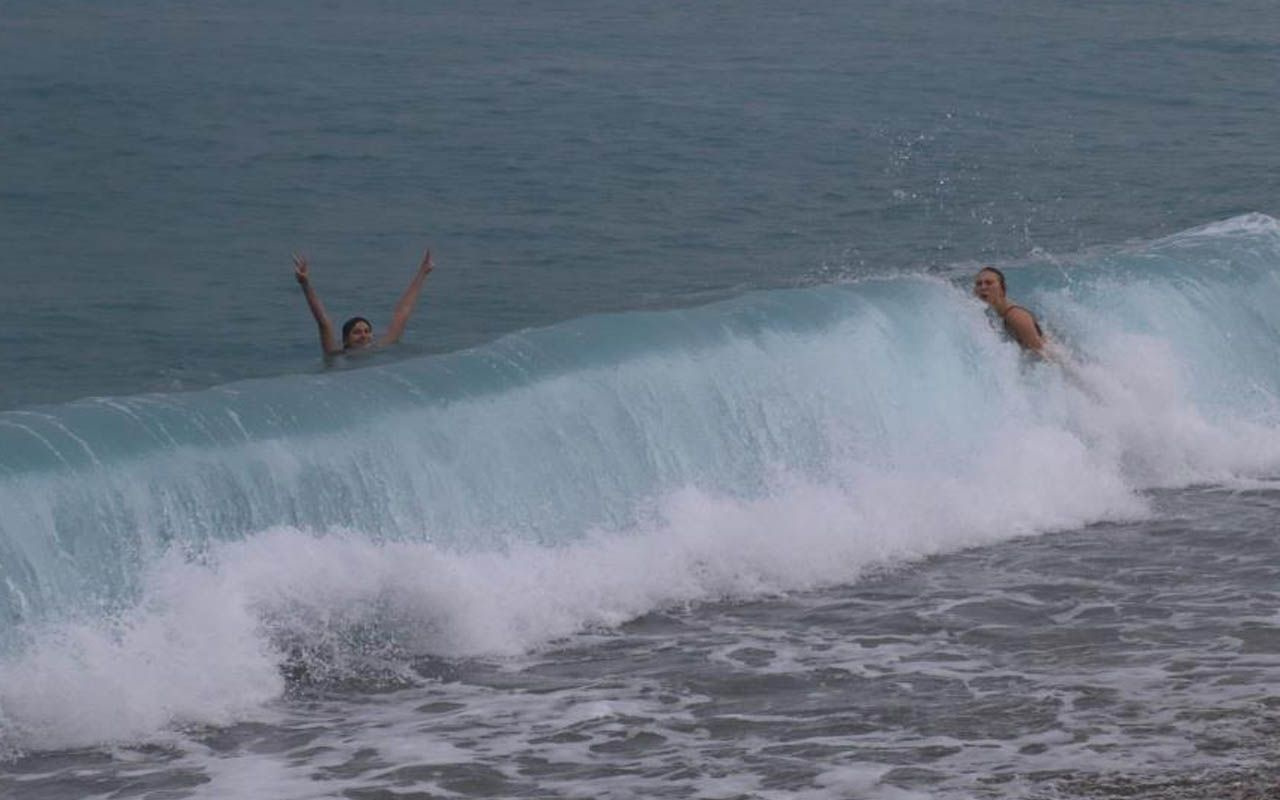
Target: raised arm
{"type": "Point", "coordinates": [327, 342]}
{"type": "Point", "coordinates": [404, 308]}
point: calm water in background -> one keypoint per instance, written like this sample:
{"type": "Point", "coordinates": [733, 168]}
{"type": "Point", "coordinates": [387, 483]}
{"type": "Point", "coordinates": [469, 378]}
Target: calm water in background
{"type": "Point", "coordinates": [161, 161]}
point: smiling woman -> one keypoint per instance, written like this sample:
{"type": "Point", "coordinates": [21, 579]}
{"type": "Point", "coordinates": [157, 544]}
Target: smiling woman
{"type": "Point", "coordinates": [357, 332]}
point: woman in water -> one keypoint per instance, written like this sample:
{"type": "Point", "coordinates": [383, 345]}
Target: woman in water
{"type": "Point", "coordinates": [989, 286]}
{"type": "Point", "coordinates": [357, 332]}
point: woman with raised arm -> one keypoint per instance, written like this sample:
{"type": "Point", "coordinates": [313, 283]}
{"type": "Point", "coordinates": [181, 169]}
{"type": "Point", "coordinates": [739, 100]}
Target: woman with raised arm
{"type": "Point", "coordinates": [357, 332]}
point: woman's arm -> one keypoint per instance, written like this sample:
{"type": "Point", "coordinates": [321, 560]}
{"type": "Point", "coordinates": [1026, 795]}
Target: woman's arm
{"type": "Point", "coordinates": [404, 308]}
{"type": "Point", "coordinates": [1023, 327]}
{"type": "Point", "coordinates": [327, 342]}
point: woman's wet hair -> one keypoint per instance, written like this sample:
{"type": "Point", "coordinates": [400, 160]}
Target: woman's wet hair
{"type": "Point", "coordinates": [999, 276]}
{"type": "Point", "coordinates": [351, 323]}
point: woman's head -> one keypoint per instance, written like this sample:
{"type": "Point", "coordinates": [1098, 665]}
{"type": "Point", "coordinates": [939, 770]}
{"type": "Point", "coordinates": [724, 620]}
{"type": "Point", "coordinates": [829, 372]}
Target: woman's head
{"type": "Point", "coordinates": [357, 332]}
{"type": "Point", "coordinates": [989, 285]}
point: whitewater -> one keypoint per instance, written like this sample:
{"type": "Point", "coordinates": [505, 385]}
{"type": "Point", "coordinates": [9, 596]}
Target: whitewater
{"type": "Point", "coordinates": [553, 525]}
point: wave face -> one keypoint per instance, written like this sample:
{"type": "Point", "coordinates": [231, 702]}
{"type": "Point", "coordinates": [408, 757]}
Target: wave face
{"type": "Point", "coordinates": [162, 556]}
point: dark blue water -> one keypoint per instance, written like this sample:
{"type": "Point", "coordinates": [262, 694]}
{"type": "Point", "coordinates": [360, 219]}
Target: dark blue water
{"type": "Point", "coordinates": [163, 160]}
{"type": "Point", "coordinates": [698, 473]}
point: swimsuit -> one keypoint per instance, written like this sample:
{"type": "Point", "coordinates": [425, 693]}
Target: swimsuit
{"type": "Point", "coordinates": [1005, 319]}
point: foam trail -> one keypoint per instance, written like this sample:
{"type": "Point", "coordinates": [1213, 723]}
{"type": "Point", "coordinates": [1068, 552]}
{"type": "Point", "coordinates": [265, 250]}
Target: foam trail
{"type": "Point", "coordinates": [491, 448]}
{"type": "Point", "coordinates": [205, 644]}
{"type": "Point", "coordinates": [491, 501]}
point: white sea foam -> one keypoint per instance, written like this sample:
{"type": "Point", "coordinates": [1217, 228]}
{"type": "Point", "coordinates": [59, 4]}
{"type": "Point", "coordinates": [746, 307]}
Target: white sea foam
{"type": "Point", "coordinates": [190, 652]}
{"type": "Point", "coordinates": [205, 642]}
{"type": "Point", "coordinates": [759, 462]}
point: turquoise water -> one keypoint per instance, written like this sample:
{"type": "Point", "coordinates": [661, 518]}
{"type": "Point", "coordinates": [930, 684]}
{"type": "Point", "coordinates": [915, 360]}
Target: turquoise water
{"type": "Point", "coordinates": [699, 472]}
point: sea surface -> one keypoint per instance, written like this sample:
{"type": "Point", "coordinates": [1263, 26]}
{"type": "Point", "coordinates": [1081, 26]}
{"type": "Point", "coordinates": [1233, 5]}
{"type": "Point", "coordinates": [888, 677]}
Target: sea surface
{"type": "Point", "coordinates": [699, 472]}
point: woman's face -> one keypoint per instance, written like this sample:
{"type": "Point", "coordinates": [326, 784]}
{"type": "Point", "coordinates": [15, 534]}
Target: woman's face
{"type": "Point", "coordinates": [986, 286]}
{"type": "Point", "coordinates": [361, 336]}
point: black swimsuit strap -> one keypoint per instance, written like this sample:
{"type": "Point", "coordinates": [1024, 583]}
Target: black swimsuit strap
{"type": "Point", "coordinates": [1034, 321]}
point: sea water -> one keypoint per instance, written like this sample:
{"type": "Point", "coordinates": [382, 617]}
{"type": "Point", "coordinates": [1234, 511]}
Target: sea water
{"type": "Point", "coordinates": [700, 473]}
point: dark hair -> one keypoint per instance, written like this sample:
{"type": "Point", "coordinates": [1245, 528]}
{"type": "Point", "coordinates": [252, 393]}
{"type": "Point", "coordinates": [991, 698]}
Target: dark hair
{"type": "Point", "coordinates": [999, 276]}
{"type": "Point", "coordinates": [351, 323]}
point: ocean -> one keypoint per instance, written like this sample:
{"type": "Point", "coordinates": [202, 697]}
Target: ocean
{"type": "Point", "coordinates": [699, 472]}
